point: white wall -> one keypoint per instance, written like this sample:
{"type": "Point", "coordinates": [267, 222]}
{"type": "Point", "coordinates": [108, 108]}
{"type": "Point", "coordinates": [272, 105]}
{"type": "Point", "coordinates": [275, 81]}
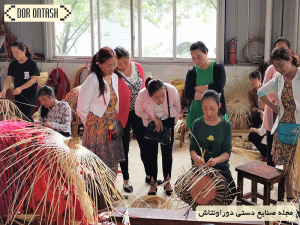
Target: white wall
{"type": "Point", "coordinates": [163, 71]}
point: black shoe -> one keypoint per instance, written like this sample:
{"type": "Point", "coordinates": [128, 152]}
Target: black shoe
{"type": "Point", "coordinates": [168, 192]}
{"type": "Point", "coordinates": [153, 185]}
{"type": "Point", "coordinates": [128, 189]}
{"type": "Point", "coordinates": [147, 180]}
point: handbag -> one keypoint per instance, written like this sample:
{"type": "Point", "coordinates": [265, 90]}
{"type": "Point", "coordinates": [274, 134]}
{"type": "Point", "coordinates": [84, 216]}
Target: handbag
{"type": "Point", "coordinates": [117, 130]}
{"type": "Point", "coordinates": [163, 137]}
{"type": "Point", "coordinates": [287, 133]}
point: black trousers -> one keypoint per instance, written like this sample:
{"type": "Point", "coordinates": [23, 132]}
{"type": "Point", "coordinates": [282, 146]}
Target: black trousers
{"type": "Point", "coordinates": [27, 99]}
{"type": "Point", "coordinates": [66, 134]}
{"type": "Point", "coordinates": [269, 149]}
{"type": "Point", "coordinates": [256, 120]}
{"type": "Point", "coordinates": [137, 126]}
{"type": "Point", "coordinates": [256, 140]}
{"type": "Point", "coordinates": [232, 187]}
{"type": "Point", "coordinates": [166, 153]}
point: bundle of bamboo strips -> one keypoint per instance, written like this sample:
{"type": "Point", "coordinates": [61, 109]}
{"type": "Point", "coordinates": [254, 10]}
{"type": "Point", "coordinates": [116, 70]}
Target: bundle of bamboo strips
{"type": "Point", "coordinates": [43, 78]}
{"type": "Point", "coordinates": [146, 201]}
{"type": "Point", "coordinates": [236, 96]}
{"type": "Point", "coordinates": [61, 179]}
{"type": "Point", "coordinates": [248, 154]}
{"type": "Point", "coordinates": [296, 170]}
{"type": "Point", "coordinates": [9, 110]}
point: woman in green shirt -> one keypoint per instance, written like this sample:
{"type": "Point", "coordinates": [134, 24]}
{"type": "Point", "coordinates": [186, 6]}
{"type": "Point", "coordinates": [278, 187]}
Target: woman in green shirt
{"type": "Point", "coordinates": [205, 75]}
{"type": "Point", "coordinates": [214, 135]}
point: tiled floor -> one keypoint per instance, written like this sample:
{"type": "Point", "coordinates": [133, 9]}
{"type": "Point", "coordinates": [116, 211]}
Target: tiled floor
{"type": "Point", "coordinates": [181, 158]}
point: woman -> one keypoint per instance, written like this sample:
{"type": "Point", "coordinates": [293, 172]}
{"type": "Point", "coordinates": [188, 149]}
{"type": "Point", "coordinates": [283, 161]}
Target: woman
{"type": "Point", "coordinates": [286, 85]}
{"type": "Point", "coordinates": [256, 111]}
{"type": "Point", "coordinates": [258, 137]}
{"type": "Point", "coordinates": [97, 107]}
{"type": "Point", "coordinates": [206, 74]}
{"type": "Point", "coordinates": [152, 105]}
{"type": "Point", "coordinates": [53, 113]}
{"type": "Point", "coordinates": [133, 75]}
{"type": "Point", "coordinates": [214, 134]}
{"type": "Point", "coordinates": [269, 115]}
{"type": "Point", "coordinates": [24, 71]}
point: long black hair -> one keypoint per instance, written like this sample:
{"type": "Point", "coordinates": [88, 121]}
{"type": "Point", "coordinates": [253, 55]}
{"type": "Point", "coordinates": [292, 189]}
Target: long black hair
{"type": "Point", "coordinates": [283, 54]}
{"type": "Point", "coordinates": [45, 91]}
{"type": "Point", "coordinates": [101, 56]}
{"type": "Point", "coordinates": [22, 46]}
{"type": "Point", "coordinates": [212, 94]}
{"type": "Point", "coordinates": [153, 85]}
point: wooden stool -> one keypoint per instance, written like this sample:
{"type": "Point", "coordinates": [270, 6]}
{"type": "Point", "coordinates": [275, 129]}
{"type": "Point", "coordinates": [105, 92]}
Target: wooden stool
{"type": "Point", "coordinates": [263, 174]}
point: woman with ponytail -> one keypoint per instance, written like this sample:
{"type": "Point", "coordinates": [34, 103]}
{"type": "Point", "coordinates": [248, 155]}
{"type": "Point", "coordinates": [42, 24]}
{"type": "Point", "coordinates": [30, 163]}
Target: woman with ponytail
{"type": "Point", "coordinates": [98, 105]}
{"type": "Point", "coordinates": [53, 113]}
{"type": "Point", "coordinates": [286, 85]}
{"type": "Point", "coordinates": [24, 70]}
{"type": "Point", "coordinates": [158, 102]}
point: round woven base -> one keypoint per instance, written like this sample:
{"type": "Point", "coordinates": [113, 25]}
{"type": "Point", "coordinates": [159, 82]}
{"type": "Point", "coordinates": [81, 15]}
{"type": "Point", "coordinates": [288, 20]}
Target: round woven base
{"type": "Point", "coordinates": [204, 186]}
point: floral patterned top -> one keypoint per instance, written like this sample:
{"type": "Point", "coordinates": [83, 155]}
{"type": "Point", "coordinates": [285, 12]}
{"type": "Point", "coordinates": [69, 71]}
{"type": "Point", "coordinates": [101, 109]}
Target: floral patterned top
{"type": "Point", "coordinates": [135, 80]}
{"type": "Point", "coordinates": [59, 116]}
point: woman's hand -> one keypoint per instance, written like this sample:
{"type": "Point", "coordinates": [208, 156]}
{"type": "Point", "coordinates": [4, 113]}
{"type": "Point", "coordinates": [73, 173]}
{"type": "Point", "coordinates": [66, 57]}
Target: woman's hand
{"type": "Point", "coordinates": [275, 109]}
{"type": "Point", "coordinates": [253, 129]}
{"type": "Point", "coordinates": [47, 124]}
{"type": "Point", "coordinates": [17, 91]}
{"type": "Point", "coordinates": [261, 115]}
{"type": "Point", "coordinates": [211, 162]}
{"type": "Point", "coordinates": [199, 161]}
{"type": "Point", "coordinates": [158, 124]}
{"type": "Point", "coordinates": [3, 94]}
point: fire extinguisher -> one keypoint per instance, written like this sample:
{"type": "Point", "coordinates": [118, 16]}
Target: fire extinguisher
{"type": "Point", "coordinates": [232, 50]}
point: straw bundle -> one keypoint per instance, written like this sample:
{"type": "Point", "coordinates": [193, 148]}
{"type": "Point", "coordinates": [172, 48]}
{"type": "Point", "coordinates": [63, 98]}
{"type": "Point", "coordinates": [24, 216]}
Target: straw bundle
{"type": "Point", "coordinates": [42, 175]}
{"type": "Point", "coordinates": [248, 154]}
{"type": "Point", "coordinates": [155, 202]}
{"type": "Point", "coordinates": [8, 110]}
{"type": "Point", "coordinates": [72, 97]}
{"type": "Point", "coordinates": [80, 76]}
{"type": "Point", "coordinates": [296, 170]}
{"type": "Point", "coordinates": [236, 96]}
{"type": "Point", "coordinates": [43, 78]}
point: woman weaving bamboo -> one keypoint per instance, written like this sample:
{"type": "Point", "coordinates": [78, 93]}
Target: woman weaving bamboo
{"type": "Point", "coordinates": [214, 135]}
{"type": "Point", "coordinates": [53, 113]}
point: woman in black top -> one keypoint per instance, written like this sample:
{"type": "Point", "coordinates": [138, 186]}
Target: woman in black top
{"type": "Point", "coordinates": [24, 70]}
